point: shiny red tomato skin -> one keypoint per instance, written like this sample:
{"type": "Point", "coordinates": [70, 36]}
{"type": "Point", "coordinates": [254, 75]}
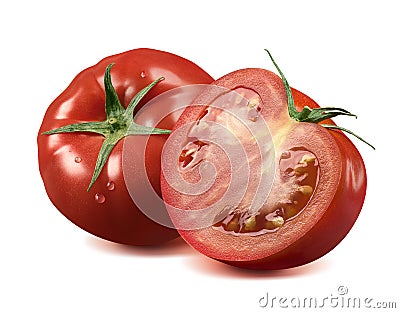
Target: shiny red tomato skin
{"type": "Point", "coordinates": [66, 161]}
{"type": "Point", "coordinates": [333, 208]}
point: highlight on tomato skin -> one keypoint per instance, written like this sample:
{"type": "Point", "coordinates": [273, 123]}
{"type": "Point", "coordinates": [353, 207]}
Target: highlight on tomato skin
{"type": "Point", "coordinates": [81, 139]}
{"type": "Point", "coordinates": [318, 180]}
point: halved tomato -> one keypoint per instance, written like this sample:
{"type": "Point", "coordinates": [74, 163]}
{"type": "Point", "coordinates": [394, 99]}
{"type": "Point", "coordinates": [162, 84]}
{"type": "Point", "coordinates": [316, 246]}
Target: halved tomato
{"type": "Point", "coordinates": [276, 187]}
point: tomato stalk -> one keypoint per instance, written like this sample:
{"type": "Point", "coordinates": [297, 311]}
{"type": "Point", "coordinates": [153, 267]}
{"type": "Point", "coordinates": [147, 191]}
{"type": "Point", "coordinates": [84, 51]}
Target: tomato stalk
{"type": "Point", "coordinates": [117, 125]}
{"type": "Point", "coordinates": [314, 115]}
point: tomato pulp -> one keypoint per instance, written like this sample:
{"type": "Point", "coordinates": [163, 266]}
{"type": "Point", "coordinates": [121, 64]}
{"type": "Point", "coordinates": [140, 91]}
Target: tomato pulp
{"type": "Point", "coordinates": [318, 186]}
{"type": "Point", "coordinates": [67, 160]}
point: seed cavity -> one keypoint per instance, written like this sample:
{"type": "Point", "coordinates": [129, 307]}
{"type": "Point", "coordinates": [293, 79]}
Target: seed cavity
{"type": "Point", "coordinates": [192, 154]}
{"type": "Point", "coordinates": [296, 181]}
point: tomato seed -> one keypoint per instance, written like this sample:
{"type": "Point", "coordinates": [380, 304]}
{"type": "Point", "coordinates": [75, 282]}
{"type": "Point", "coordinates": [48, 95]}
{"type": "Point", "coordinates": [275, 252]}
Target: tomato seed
{"type": "Point", "coordinates": [233, 225]}
{"type": "Point", "coordinates": [254, 102]}
{"type": "Point", "coordinates": [305, 190]}
{"type": "Point", "coordinates": [299, 170]}
{"type": "Point", "coordinates": [250, 223]}
{"type": "Point", "coordinates": [309, 159]}
{"type": "Point", "coordinates": [278, 221]}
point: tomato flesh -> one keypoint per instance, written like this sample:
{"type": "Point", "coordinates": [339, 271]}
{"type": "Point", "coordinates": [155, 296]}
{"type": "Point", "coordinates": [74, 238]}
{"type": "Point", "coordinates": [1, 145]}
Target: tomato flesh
{"type": "Point", "coordinates": [315, 172]}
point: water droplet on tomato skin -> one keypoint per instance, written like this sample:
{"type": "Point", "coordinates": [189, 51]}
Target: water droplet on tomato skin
{"type": "Point", "coordinates": [110, 185]}
{"type": "Point", "coordinates": [78, 160]}
{"type": "Point", "coordinates": [143, 74]}
{"type": "Point", "coordinates": [99, 198]}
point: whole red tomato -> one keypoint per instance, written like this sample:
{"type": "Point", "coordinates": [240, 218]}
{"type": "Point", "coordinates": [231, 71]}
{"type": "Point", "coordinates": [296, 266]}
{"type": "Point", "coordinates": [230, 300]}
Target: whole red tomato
{"type": "Point", "coordinates": [275, 187]}
{"type": "Point", "coordinates": [82, 134]}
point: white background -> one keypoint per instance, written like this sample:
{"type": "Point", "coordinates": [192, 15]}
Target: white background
{"type": "Point", "coordinates": [341, 53]}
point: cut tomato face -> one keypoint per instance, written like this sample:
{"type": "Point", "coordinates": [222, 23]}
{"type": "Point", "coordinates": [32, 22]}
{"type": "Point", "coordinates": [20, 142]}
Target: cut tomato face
{"type": "Point", "coordinates": [277, 192]}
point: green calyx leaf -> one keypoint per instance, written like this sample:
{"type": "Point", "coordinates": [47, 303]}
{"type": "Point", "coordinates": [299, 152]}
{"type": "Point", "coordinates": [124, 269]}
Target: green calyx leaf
{"type": "Point", "coordinates": [330, 126]}
{"type": "Point", "coordinates": [313, 115]}
{"type": "Point", "coordinates": [118, 124]}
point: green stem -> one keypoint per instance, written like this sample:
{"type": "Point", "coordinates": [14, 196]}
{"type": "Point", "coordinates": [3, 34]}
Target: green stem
{"type": "Point", "coordinates": [330, 126]}
{"type": "Point", "coordinates": [114, 107]}
{"type": "Point", "coordinates": [102, 157]}
{"type": "Point", "coordinates": [291, 107]}
{"type": "Point", "coordinates": [118, 124]}
{"type": "Point", "coordinates": [313, 115]}
{"type": "Point", "coordinates": [139, 96]}
{"type": "Point", "coordinates": [92, 127]}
